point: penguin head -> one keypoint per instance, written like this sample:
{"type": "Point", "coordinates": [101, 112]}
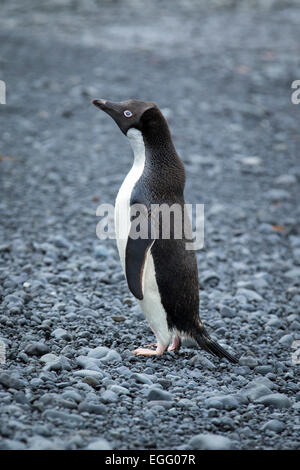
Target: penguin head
{"type": "Point", "coordinates": [142, 115]}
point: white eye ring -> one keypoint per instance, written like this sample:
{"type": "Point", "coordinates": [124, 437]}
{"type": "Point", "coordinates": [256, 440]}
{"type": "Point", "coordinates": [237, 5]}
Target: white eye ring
{"type": "Point", "coordinates": [127, 113]}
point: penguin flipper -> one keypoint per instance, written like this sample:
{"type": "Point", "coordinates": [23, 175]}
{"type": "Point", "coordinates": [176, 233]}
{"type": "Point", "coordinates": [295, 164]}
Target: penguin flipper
{"type": "Point", "coordinates": [138, 244]}
{"type": "Point", "coordinates": [136, 253]}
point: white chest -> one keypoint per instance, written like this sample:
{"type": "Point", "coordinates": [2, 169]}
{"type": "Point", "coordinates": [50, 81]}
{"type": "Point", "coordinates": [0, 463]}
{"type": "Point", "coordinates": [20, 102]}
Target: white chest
{"type": "Point", "coordinates": [122, 206]}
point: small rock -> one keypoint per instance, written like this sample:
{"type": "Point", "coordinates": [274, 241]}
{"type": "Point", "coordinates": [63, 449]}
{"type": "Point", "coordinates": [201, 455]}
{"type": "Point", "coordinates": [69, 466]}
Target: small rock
{"type": "Point", "coordinates": [250, 295]}
{"type": "Point", "coordinates": [99, 444]}
{"type": "Point", "coordinates": [293, 273]}
{"type": "Point", "coordinates": [263, 370]}
{"type": "Point", "coordinates": [5, 247]}
{"type": "Point", "coordinates": [274, 322]}
{"type": "Point", "coordinates": [89, 363]}
{"type": "Point", "coordinates": [89, 373]}
{"type": "Point", "coordinates": [157, 394]}
{"type": "Point", "coordinates": [276, 400]}
{"type": "Point", "coordinates": [213, 402]}
{"type": "Point", "coordinates": [11, 444]}
{"type": "Point", "coordinates": [257, 392]}
{"type": "Point", "coordinates": [101, 252]}
{"type": "Point", "coordinates": [250, 161]}
{"type": "Point", "coordinates": [203, 361]}
{"type": "Point", "coordinates": [248, 360]}
{"type": "Point", "coordinates": [227, 402]}
{"type": "Point", "coordinates": [48, 358]}
{"type": "Point", "coordinates": [60, 333]}
{"type": "Point", "coordinates": [112, 356]}
{"type": "Point", "coordinates": [226, 311]}
{"type": "Point", "coordinates": [109, 396]}
{"type": "Point", "coordinates": [119, 390]}
{"type": "Point", "coordinates": [36, 349]}
{"type": "Point", "coordinates": [98, 352]}
{"type": "Point", "coordinates": [210, 442]}
{"type": "Point", "coordinates": [286, 340]}
{"type": "Point", "coordinates": [261, 381]}
{"type": "Point", "coordinates": [92, 408]}
{"type": "Point", "coordinates": [185, 403]}
{"type": "Point", "coordinates": [10, 381]}
{"type": "Point", "coordinates": [286, 180]}
{"type": "Point", "coordinates": [273, 425]}
{"type": "Point", "coordinates": [141, 378]}
{"type": "Point", "coordinates": [40, 443]}
{"type": "Point", "coordinates": [72, 395]}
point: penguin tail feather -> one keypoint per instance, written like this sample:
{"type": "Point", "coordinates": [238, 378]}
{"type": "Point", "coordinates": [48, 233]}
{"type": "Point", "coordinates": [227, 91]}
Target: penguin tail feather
{"type": "Point", "coordinates": [205, 342]}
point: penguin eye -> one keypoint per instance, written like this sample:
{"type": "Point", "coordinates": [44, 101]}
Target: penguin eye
{"type": "Point", "coordinates": [127, 113]}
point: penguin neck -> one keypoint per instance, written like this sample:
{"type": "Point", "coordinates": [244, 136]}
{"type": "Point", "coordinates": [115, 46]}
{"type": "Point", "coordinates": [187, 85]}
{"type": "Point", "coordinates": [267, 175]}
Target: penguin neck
{"type": "Point", "coordinates": [156, 147]}
{"type": "Point", "coordinates": [138, 147]}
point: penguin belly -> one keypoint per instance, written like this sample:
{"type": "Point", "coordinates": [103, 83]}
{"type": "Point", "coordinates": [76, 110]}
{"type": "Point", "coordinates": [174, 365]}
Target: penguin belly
{"type": "Point", "coordinates": [151, 304]}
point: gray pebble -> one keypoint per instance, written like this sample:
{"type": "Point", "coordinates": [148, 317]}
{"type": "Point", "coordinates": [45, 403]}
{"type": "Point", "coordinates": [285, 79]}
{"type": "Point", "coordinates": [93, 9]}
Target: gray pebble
{"type": "Point", "coordinates": [249, 294]}
{"type": "Point", "coordinates": [286, 180]}
{"type": "Point", "coordinates": [41, 443]}
{"type": "Point", "coordinates": [111, 357]}
{"type": "Point", "coordinates": [263, 369]}
{"type": "Point", "coordinates": [89, 373]}
{"type": "Point", "coordinates": [257, 392]}
{"type": "Point", "coordinates": [158, 394]}
{"type": "Point", "coordinates": [227, 402]}
{"type": "Point", "coordinates": [248, 360]}
{"type": "Point", "coordinates": [226, 311]}
{"type": "Point", "coordinates": [98, 352]}
{"type": "Point", "coordinates": [276, 400]}
{"type": "Point", "coordinates": [49, 358]}
{"type": "Point", "coordinates": [11, 444]}
{"type": "Point", "coordinates": [36, 349]}
{"type": "Point", "coordinates": [108, 396]}
{"type": "Point", "coordinates": [99, 444]}
{"type": "Point", "coordinates": [60, 333]}
{"type": "Point", "coordinates": [73, 395]}
{"type": "Point", "coordinates": [141, 378]}
{"type": "Point", "coordinates": [9, 380]}
{"type": "Point", "coordinates": [93, 408]}
{"type": "Point", "coordinates": [273, 425]}
{"type": "Point", "coordinates": [89, 363]}
{"type": "Point", "coordinates": [118, 389]}
{"type": "Point", "coordinates": [210, 442]}
{"type": "Point", "coordinates": [101, 252]}
{"type": "Point", "coordinates": [286, 340]}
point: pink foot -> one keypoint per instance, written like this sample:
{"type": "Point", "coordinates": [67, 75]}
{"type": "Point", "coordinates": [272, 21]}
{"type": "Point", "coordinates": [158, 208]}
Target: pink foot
{"type": "Point", "coordinates": [150, 352]}
{"type": "Point", "coordinates": [176, 343]}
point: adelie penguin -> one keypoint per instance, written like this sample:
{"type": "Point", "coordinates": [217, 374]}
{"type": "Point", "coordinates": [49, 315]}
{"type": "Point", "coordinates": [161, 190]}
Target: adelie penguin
{"type": "Point", "coordinates": [161, 273]}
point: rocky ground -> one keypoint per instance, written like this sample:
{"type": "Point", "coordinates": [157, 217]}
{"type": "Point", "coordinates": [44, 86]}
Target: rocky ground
{"type": "Point", "coordinates": [223, 78]}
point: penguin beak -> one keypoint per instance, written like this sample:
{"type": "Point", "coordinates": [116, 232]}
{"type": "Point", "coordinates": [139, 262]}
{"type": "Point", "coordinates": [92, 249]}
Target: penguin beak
{"type": "Point", "coordinates": [108, 106]}
{"type": "Point", "coordinates": [99, 103]}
